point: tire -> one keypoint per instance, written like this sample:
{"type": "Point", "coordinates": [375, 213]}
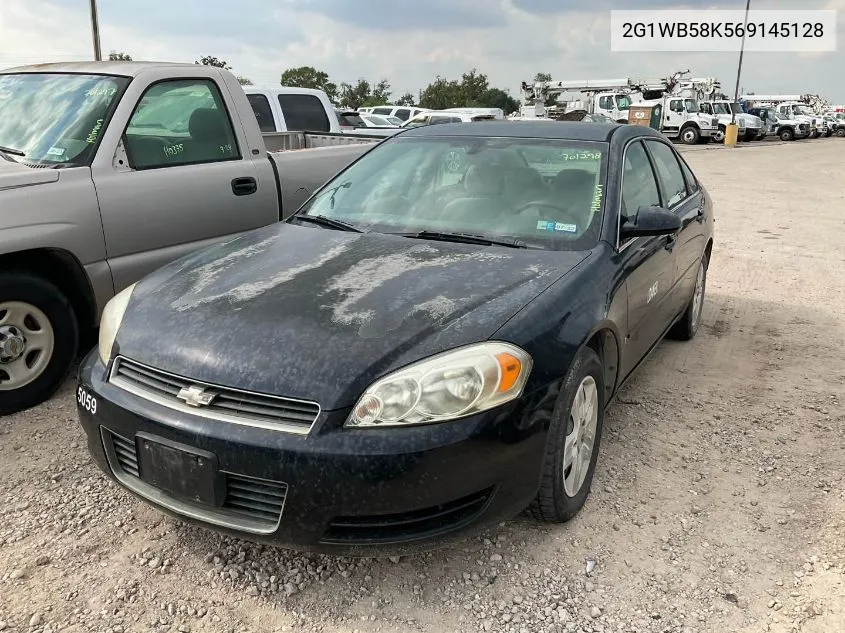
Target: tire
{"type": "Point", "coordinates": [35, 311]}
{"type": "Point", "coordinates": [720, 135]}
{"type": "Point", "coordinates": [686, 328]}
{"type": "Point", "coordinates": [828, 134]}
{"type": "Point", "coordinates": [749, 136]}
{"type": "Point", "coordinates": [840, 132]}
{"type": "Point", "coordinates": [558, 501]}
{"type": "Point", "coordinates": [814, 134]}
{"type": "Point", "coordinates": [690, 135]}
{"type": "Point", "coordinates": [786, 134]}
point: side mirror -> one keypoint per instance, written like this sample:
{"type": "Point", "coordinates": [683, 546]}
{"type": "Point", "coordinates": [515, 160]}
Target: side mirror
{"type": "Point", "coordinates": [650, 221]}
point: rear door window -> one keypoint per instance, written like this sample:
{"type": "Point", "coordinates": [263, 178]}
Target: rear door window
{"type": "Point", "coordinates": [304, 113]}
{"type": "Point", "coordinates": [263, 113]}
{"type": "Point", "coordinates": [403, 113]}
{"type": "Point", "coordinates": [669, 172]}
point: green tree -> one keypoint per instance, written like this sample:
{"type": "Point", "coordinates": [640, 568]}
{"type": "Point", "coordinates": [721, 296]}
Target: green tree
{"type": "Point", "coordinates": [244, 81]}
{"type": "Point", "coordinates": [471, 91]}
{"type": "Point", "coordinates": [309, 77]}
{"type": "Point", "coordinates": [406, 99]}
{"type": "Point", "coordinates": [115, 56]}
{"type": "Point", "coordinates": [213, 61]}
{"type": "Point", "coordinates": [362, 94]}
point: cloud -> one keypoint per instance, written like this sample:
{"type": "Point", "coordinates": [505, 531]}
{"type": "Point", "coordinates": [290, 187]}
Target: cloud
{"type": "Point", "coordinates": [499, 37]}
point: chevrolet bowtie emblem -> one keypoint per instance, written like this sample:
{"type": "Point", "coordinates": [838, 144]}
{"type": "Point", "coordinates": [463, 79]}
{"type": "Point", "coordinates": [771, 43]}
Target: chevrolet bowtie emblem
{"type": "Point", "coordinates": [196, 396]}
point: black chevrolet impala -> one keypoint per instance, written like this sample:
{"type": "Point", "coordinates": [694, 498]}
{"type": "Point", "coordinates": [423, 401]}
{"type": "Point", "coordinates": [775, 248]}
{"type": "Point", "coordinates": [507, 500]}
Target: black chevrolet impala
{"type": "Point", "coordinates": [428, 345]}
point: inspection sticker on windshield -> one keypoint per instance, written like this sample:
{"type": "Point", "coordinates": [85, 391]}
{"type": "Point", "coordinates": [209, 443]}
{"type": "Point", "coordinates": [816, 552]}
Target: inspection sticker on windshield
{"type": "Point", "coordinates": [549, 225]}
{"type": "Point", "coordinates": [56, 151]}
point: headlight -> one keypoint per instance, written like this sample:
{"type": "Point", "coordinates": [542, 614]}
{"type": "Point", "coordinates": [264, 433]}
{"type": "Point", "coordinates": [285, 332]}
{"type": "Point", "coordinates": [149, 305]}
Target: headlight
{"type": "Point", "coordinates": [110, 322]}
{"type": "Point", "coordinates": [451, 385]}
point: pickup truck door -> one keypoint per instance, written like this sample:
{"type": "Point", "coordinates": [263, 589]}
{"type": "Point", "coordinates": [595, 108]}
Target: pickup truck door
{"type": "Point", "coordinates": [182, 174]}
{"type": "Point", "coordinates": [648, 262]}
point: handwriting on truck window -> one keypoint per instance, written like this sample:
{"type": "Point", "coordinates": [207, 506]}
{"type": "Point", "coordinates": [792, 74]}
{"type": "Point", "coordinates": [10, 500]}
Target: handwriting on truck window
{"type": "Point", "coordinates": [226, 149]}
{"type": "Point", "coordinates": [174, 150]}
{"type": "Point", "coordinates": [92, 136]}
{"type": "Point", "coordinates": [101, 91]}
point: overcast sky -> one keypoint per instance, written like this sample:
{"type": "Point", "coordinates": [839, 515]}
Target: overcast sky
{"type": "Point", "coordinates": [406, 41]}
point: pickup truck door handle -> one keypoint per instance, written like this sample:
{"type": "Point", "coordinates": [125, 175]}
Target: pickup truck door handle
{"type": "Point", "coordinates": [671, 241]}
{"type": "Point", "coordinates": [244, 186]}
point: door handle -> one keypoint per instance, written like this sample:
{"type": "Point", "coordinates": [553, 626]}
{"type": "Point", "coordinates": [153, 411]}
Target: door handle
{"type": "Point", "coordinates": [244, 186]}
{"type": "Point", "coordinates": [671, 241]}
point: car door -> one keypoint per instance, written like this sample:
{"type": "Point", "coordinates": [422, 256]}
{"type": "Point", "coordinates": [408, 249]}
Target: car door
{"type": "Point", "coordinates": [682, 195]}
{"type": "Point", "coordinates": [648, 262]}
{"type": "Point", "coordinates": [181, 178]}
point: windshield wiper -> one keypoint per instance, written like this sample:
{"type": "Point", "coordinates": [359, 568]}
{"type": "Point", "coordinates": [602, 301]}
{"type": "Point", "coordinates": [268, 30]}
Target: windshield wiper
{"type": "Point", "coordinates": [11, 151]}
{"type": "Point", "coordinates": [465, 238]}
{"type": "Point", "coordinates": [322, 220]}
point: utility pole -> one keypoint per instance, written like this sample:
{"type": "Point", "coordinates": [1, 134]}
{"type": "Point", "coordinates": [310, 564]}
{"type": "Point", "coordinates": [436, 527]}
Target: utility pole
{"type": "Point", "coordinates": [95, 31]}
{"type": "Point", "coordinates": [739, 66]}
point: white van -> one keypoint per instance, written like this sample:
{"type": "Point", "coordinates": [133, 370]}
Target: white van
{"type": "Point", "coordinates": [403, 113]}
{"type": "Point", "coordinates": [446, 116]}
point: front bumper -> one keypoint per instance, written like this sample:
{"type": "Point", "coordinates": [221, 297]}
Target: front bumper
{"type": "Point", "coordinates": [344, 491]}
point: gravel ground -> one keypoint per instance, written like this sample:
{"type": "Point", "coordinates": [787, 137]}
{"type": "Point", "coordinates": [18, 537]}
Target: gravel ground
{"type": "Point", "coordinates": [718, 504]}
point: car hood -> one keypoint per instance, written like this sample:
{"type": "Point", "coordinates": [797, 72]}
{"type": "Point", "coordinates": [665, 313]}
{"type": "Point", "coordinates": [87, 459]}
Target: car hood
{"type": "Point", "coordinates": [317, 314]}
{"type": "Point", "coordinates": [14, 174]}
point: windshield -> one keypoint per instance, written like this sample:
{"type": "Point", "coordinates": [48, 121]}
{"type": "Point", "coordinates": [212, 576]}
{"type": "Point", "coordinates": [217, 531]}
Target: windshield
{"type": "Point", "coordinates": [55, 118]}
{"type": "Point", "coordinates": [623, 102]}
{"type": "Point", "coordinates": [691, 105]}
{"type": "Point", "coordinates": [547, 193]}
{"type": "Point", "coordinates": [721, 108]}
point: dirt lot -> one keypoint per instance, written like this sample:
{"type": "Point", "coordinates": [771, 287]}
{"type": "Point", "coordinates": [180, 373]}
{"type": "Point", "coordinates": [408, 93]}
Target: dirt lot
{"type": "Point", "coordinates": [718, 505]}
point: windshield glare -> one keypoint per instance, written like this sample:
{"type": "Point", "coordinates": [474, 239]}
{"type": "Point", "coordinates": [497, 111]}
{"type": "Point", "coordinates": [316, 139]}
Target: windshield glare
{"type": "Point", "coordinates": [548, 193]}
{"type": "Point", "coordinates": [691, 105]}
{"type": "Point", "coordinates": [55, 118]}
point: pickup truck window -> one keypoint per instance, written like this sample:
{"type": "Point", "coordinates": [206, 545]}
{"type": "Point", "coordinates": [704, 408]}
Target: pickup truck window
{"type": "Point", "coordinates": [56, 119]}
{"type": "Point", "coordinates": [263, 113]}
{"type": "Point", "coordinates": [403, 114]}
{"type": "Point", "coordinates": [180, 122]}
{"type": "Point", "coordinates": [303, 113]}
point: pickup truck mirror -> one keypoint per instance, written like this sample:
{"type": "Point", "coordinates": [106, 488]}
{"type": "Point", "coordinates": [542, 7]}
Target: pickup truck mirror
{"type": "Point", "coordinates": [650, 221]}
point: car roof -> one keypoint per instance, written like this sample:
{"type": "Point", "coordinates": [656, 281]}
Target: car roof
{"type": "Point", "coordinates": [125, 69]}
{"type": "Point", "coordinates": [562, 130]}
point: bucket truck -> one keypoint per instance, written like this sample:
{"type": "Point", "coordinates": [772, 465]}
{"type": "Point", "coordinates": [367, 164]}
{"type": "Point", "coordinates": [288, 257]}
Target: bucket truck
{"type": "Point", "coordinates": [679, 117]}
{"type": "Point", "coordinates": [797, 107]}
{"type": "Point", "coordinates": [706, 89]}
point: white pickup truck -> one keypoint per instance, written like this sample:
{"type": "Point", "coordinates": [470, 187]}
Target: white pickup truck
{"type": "Point", "coordinates": [110, 170]}
{"type": "Point", "coordinates": [282, 109]}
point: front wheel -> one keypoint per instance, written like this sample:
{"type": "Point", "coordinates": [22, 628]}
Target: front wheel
{"type": "Point", "coordinates": [39, 338]}
{"type": "Point", "coordinates": [690, 135]}
{"type": "Point", "coordinates": [687, 326]}
{"type": "Point", "coordinates": [786, 134]}
{"type": "Point", "coordinates": [572, 447]}
{"type": "Point", "coordinates": [719, 135]}
{"type": "Point", "coordinates": [840, 132]}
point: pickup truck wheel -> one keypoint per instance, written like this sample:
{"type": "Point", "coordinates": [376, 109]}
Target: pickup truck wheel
{"type": "Point", "coordinates": [39, 338]}
{"type": "Point", "coordinates": [786, 134]}
{"type": "Point", "coordinates": [690, 135]}
{"type": "Point", "coordinates": [840, 132]}
{"type": "Point", "coordinates": [572, 447]}
{"type": "Point", "coordinates": [687, 326]}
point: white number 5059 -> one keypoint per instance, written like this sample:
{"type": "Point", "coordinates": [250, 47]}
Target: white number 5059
{"type": "Point", "coordinates": [86, 400]}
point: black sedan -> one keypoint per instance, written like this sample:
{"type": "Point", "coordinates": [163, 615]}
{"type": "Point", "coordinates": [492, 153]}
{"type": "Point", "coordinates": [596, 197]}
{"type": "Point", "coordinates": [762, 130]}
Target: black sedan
{"type": "Point", "coordinates": [428, 345]}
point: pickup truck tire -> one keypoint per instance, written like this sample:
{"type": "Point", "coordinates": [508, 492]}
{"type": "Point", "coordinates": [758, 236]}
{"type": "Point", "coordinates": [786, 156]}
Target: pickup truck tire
{"type": "Point", "coordinates": [690, 135]}
{"type": "Point", "coordinates": [840, 132]}
{"type": "Point", "coordinates": [39, 339]}
{"type": "Point", "coordinates": [786, 134]}
{"type": "Point", "coordinates": [576, 425]}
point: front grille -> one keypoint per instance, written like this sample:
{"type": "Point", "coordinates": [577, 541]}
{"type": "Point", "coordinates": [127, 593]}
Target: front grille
{"type": "Point", "coordinates": [229, 405]}
{"type": "Point", "coordinates": [251, 504]}
{"type": "Point", "coordinates": [407, 526]}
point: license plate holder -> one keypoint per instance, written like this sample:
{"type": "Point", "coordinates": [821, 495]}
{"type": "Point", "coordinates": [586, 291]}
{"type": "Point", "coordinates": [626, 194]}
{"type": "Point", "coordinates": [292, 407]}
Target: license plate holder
{"type": "Point", "coordinates": [180, 470]}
